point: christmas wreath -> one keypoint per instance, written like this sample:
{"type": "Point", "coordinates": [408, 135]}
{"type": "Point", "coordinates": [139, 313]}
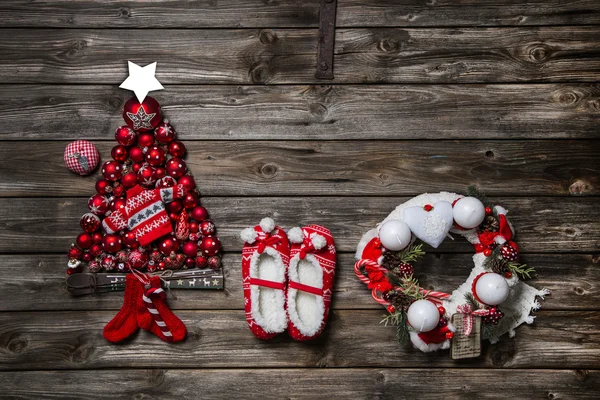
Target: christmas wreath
{"type": "Point", "coordinates": [493, 300]}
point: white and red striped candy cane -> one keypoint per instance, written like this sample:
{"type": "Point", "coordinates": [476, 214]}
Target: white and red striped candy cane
{"type": "Point", "coordinates": [150, 294]}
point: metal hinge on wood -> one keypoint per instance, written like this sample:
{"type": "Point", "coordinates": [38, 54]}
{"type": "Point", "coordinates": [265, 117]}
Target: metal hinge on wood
{"type": "Point", "coordinates": [326, 39]}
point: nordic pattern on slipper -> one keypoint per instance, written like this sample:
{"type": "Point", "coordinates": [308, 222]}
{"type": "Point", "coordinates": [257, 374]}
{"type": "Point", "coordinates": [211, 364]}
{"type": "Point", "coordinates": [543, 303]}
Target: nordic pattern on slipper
{"type": "Point", "coordinates": [265, 259]}
{"type": "Point", "coordinates": [311, 273]}
{"type": "Point", "coordinates": [124, 324]}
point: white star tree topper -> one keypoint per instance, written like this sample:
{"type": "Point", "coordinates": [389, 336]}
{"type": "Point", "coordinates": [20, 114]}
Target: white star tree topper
{"type": "Point", "coordinates": [141, 80]}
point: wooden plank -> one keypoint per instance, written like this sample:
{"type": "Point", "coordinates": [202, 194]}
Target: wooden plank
{"type": "Point", "coordinates": [221, 339]}
{"type": "Point", "coordinates": [37, 282]}
{"type": "Point", "coordinates": [164, 14]}
{"type": "Point", "coordinates": [544, 224]}
{"type": "Point", "coordinates": [414, 55]}
{"type": "Point", "coordinates": [336, 168]}
{"type": "Point", "coordinates": [329, 112]}
{"type": "Point", "coordinates": [360, 383]}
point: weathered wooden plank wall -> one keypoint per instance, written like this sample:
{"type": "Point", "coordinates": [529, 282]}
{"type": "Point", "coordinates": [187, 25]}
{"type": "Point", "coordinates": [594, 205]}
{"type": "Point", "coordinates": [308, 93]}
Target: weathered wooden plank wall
{"type": "Point", "coordinates": [428, 96]}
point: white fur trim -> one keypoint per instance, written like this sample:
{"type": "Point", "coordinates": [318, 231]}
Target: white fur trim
{"type": "Point", "coordinates": [367, 237]}
{"type": "Point", "coordinates": [318, 241]}
{"type": "Point", "coordinates": [427, 348]}
{"type": "Point", "coordinates": [248, 235]}
{"type": "Point", "coordinates": [267, 224]}
{"type": "Point", "coordinates": [295, 235]}
{"type": "Point", "coordinates": [306, 310]}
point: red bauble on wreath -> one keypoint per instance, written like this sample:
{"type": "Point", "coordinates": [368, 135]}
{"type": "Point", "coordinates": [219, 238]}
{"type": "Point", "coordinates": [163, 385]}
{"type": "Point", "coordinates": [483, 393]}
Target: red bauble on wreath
{"type": "Point", "coordinates": [142, 117]}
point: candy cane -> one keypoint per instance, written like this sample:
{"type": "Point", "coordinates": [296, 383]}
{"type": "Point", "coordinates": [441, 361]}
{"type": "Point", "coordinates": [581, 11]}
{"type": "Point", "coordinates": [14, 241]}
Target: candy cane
{"type": "Point", "coordinates": [148, 296]}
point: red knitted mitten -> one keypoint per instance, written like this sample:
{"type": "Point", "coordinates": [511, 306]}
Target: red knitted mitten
{"type": "Point", "coordinates": [125, 323]}
{"type": "Point", "coordinates": [155, 316]}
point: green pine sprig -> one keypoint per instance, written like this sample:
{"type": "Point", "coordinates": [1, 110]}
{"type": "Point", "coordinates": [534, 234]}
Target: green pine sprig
{"type": "Point", "coordinates": [411, 253]}
{"type": "Point", "coordinates": [471, 301]}
{"type": "Point", "coordinates": [408, 285]}
{"type": "Point", "coordinates": [521, 270]}
{"type": "Point", "coordinates": [398, 319]}
{"type": "Point", "coordinates": [473, 191]}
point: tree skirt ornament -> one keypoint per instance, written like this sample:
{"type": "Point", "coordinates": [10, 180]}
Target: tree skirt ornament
{"type": "Point", "coordinates": [491, 302]}
{"type": "Point", "coordinates": [81, 157]}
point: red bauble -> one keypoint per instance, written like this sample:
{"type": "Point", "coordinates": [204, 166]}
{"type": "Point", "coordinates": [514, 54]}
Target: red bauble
{"type": "Point", "coordinates": [199, 213]}
{"type": "Point", "coordinates": [112, 170]}
{"type": "Point", "coordinates": [109, 262]}
{"type": "Point", "coordinates": [104, 186]}
{"type": "Point", "coordinates": [122, 256]}
{"type": "Point", "coordinates": [84, 240]}
{"type": "Point", "coordinates": [145, 140]}
{"type": "Point", "coordinates": [119, 190]}
{"type": "Point", "coordinates": [187, 182]}
{"type": "Point", "coordinates": [155, 156]}
{"type": "Point", "coordinates": [210, 245]}
{"type": "Point", "coordinates": [190, 263]}
{"type": "Point", "coordinates": [97, 238]}
{"type": "Point", "coordinates": [90, 222]}
{"type": "Point", "coordinates": [138, 259]}
{"type": "Point", "coordinates": [125, 136]}
{"type": "Point", "coordinates": [176, 167]}
{"type": "Point", "coordinates": [160, 173]}
{"type": "Point", "coordinates": [190, 249]}
{"type": "Point", "coordinates": [195, 236]}
{"type": "Point", "coordinates": [193, 226]}
{"type": "Point", "coordinates": [166, 182]}
{"type": "Point", "coordinates": [98, 204]}
{"type": "Point", "coordinates": [190, 200]}
{"type": "Point", "coordinates": [118, 204]}
{"type": "Point", "coordinates": [129, 180]}
{"type": "Point", "coordinates": [75, 253]}
{"type": "Point", "coordinates": [173, 216]}
{"type": "Point", "coordinates": [168, 245]}
{"type": "Point", "coordinates": [119, 153]}
{"type": "Point", "coordinates": [130, 240]}
{"type": "Point", "coordinates": [136, 154]}
{"type": "Point", "coordinates": [176, 149]}
{"type": "Point", "coordinates": [112, 243]}
{"type": "Point", "coordinates": [207, 227]}
{"type": "Point", "coordinates": [136, 167]}
{"type": "Point", "coordinates": [87, 257]}
{"type": "Point", "coordinates": [95, 250]}
{"type": "Point", "coordinates": [214, 262]}
{"type": "Point", "coordinates": [162, 266]}
{"type": "Point", "coordinates": [175, 206]}
{"type": "Point", "coordinates": [201, 262]}
{"type": "Point", "coordinates": [164, 133]}
{"type": "Point", "coordinates": [94, 266]}
{"type": "Point", "coordinates": [146, 176]}
{"type": "Point", "coordinates": [142, 117]}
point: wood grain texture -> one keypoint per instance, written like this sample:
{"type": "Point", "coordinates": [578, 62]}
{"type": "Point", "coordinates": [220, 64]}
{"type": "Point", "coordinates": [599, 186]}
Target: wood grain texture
{"type": "Point", "coordinates": [242, 168]}
{"type": "Point", "coordinates": [37, 282]}
{"type": "Point", "coordinates": [221, 339]}
{"type": "Point", "coordinates": [329, 112]}
{"type": "Point", "coordinates": [386, 55]}
{"type": "Point", "coordinates": [168, 14]}
{"type": "Point", "coordinates": [360, 383]}
{"type": "Point", "coordinates": [544, 224]}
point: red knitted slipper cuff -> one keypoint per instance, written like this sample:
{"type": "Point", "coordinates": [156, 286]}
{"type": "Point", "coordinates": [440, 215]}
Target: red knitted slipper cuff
{"type": "Point", "coordinates": [124, 324]}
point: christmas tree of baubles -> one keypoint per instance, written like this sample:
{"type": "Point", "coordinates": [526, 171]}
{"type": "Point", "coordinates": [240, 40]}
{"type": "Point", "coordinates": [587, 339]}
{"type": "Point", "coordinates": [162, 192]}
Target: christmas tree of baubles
{"type": "Point", "coordinates": [146, 214]}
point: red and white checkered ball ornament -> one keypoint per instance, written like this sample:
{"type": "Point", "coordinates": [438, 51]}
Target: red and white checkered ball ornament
{"type": "Point", "coordinates": [81, 157]}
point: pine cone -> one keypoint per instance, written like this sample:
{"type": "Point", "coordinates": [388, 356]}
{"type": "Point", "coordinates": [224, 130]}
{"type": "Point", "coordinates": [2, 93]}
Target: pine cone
{"type": "Point", "coordinates": [489, 224]}
{"type": "Point", "coordinates": [400, 301]}
{"type": "Point", "coordinates": [498, 265]}
{"type": "Point", "coordinates": [390, 260]}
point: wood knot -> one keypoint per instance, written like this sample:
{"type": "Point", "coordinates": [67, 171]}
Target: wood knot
{"type": "Point", "coordinates": [259, 73]}
{"type": "Point", "coordinates": [380, 377]}
{"type": "Point", "coordinates": [582, 374]}
{"type": "Point", "coordinates": [124, 12]}
{"type": "Point", "coordinates": [75, 47]}
{"type": "Point", "coordinates": [579, 291]}
{"type": "Point", "coordinates": [580, 187]}
{"type": "Point", "coordinates": [503, 353]}
{"type": "Point", "coordinates": [318, 110]}
{"type": "Point", "coordinates": [388, 45]}
{"type": "Point", "coordinates": [82, 351]}
{"type": "Point", "coordinates": [115, 103]}
{"type": "Point", "coordinates": [17, 345]}
{"type": "Point", "coordinates": [267, 36]}
{"type": "Point", "coordinates": [593, 105]}
{"type": "Point", "coordinates": [156, 377]}
{"type": "Point", "coordinates": [269, 170]}
{"type": "Point", "coordinates": [539, 52]}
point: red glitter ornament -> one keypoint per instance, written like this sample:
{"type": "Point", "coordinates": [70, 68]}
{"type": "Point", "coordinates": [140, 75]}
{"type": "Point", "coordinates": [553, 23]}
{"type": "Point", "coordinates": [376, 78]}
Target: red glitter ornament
{"type": "Point", "coordinates": [164, 133]}
{"type": "Point", "coordinates": [112, 170]}
{"type": "Point", "coordinates": [187, 182]}
{"type": "Point", "coordinates": [145, 140]}
{"type": "Point", "coordinates": [84, 240]}
{"type": "Point", "coordinates": [190, 200]}
{"type": "Point", "coordinates": [146, 176]}
{"type": "Point", "coordinates": [176, 167]}
{"type": "Point", "coordinates": [119, 153]}
{"type": "Point", "coordinates": [142, 117]}
{"type": "Point", "coordinates": [201, 262]}
{"type": "Point", "coordinates": [199, 213]}
{"type": "Point", "coordinates": [190, 249]}
{"type": "Point", "coordinates": [207, 227]}
{"type": "Point", "coordinates": [90, 222]}
{"type": "Point", "coordinates": [103, 186]}
{"type": "Point", "coordinates": [214, 262]}
{"type": "Point", "coordinates": [136, 154]}
{"type": "Point", "coordinates": [130, 240]}
{"type": "Point", "coordinates": [138, 259]}
{"type": "Point", "coordinates": [112, 243]}
{"type": "Point", "coordinates": [168, 245]}
{"type": "Point", "coordinates": [94, 266]}
{"type": "Point", "coordinates": [176, 149]}
{"type": "Point", "coordinates": [129, 180]}
{"type": "Point", "coordinates": [98, 204]}
{"type": "Point", "coordinates": [155, 156]}
{"type": "Point", "coordinates": [125, 136]}
{"type": "Point", "coordinates": [210, 246]}
{"type": "Point", "coordinates": [109, 262]}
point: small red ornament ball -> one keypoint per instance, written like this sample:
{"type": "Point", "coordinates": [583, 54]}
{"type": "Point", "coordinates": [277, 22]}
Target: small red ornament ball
{"type": "Point", "coordinates": [164, 133]}
{"type": "Point", "coordinates": [112, 170]}
{"type": "Point", "coordinates": [488, 211]}
{"type": "Point", "coordinates": [190, 200]}
{"type": "Point", "coordinates": [142, 117]}
{"type": "Point", "coordinates": [168, 245]}
{"type": "Point", "coordinates": [84, 240]}
{"type": "Point", "coordinates": [193, 226]}
{"type": "Point", "coordinates": [90, 222]}
{"type": "Point", "coordinates": [138, 259]}
{"type": "Point", "coordinates": [112, 243]}
{"type": "Point", "coordinates": [95, 250]}
{"type": "Point", "coordinates": [190, 263]}
{"type": "Point", "coordinates": [146, 176]}
{"type": "Point", "coordinates": [427, 207]}
{"type": "Point", "coordinates": [166, 182]}
{"type": "Point", "coordinates": [160, 173]}
{"type": "Point", "coordinates": [187, 182]}
{"type": "Point", "coordinates": [125, 136]}
{"type": "Point", "coordinates": [487, 252]}
{"type": "Point", "coordinates": [119, 153]}
{"type": "Point", "coordinates": [145, 140]}
{"type": "Point", "coordinates": [207, 227]}
{"type": "Point", "coordinates": [103, 186]}
{"type": "Point", "coordinates": [118, 204]}
{"type": "Point", "coordinates": [136, 154]}
{"type": "Point", "coordinates": [391, 309]}
{"type": "Point", "coordinates": [210, 246]}
{"type": "Point", "coordinates": [173, 216]}
{"type": "Point", "coordinates": [136, 167]}
{"type": "Point", "coordinates": [109, 262]}
{"type": "Point", "coordinates": [98, 204]}
{"type": "Point", "coordinates": [199, 213]}
{"type": "Point", "coordinates": [97, 238]}
{"type": "Point", "coordinates": [214, 262]}
{"type": "Point", "coordinates": [175, 206]}
{"type": "Point", "coordinates": [94, 266]}
{"type": "Point", "coordinates": [176, 149]}
{"type": "Point", "coordinates": [129, 180]}
{"type": "Point", "coordinates": [190, 249]}
{"type": "Point", "coordinates": [176, 167]}
{"type": "Point", "coordinates": [201, 262]}
{"type": "Point", "coordinates": [155, 156]}
{"type": "Point", "coordinates": [130, 240]}
{"type": "Point", "coordinates": [75, 253]}
{"type": "Point", "coordinates": [119, 190]}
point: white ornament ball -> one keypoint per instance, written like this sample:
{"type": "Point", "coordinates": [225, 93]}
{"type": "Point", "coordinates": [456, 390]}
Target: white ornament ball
{"type": "Point", "coordinates": [469, 212]}
{"type": "Point", "coordinates": [423, 315]}
{"type": "Point", "coordinates": [491, 289]}
{"type": "Point", "coordinates": [395, 235]}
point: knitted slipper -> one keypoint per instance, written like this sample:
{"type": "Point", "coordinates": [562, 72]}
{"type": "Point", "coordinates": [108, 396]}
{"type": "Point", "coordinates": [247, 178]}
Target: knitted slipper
{"type": "Point", "coordinates": [311, 272]}
{"type": "Point", "coordinates": [265, 259]}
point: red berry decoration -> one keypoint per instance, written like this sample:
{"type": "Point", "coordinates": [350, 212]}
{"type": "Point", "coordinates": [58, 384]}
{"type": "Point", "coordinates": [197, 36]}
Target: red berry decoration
{"type": "Point", "coordinates": [84, 240]}
{"type": "Point", "coordinates": [155, 156]}
{"type": "Point", "coordinates": [488, 211]}
{"type": "Point", "coordinates": [406, 269]}
{"type": "Point", "coordinates": [168, 245]}
{"type": "Point", "coordinates": [90, 222]}
{"type": "Point", "coordinates": [509, 253]}
{"type": "Point", "coordinates": [487, 252]}
{"type": "Point", "coordinates": [104, 186]}
{"type": "Point", "coordinates": [142, 117]}
{"type": "Point", "coordinates": [75, 253]}
{"type": "Point", "coordinates": [129, 180]}
{"type": "Point", "coordinates": [98, 204]}
{"type": "Point", "coordinates": [199, 213]}
{"type": "Point", "coordinates": [176, 149]}
{"type": "Point", "coordinates": [138, 259]}
{"type": "Point", "coordinates": [145, 140]}
{"type": "Point", "coordinates": [146, 176]}
{"type": "Point", "coordinates": [190, 200]}
{"type": "Point", "coordinates": [207, 227]}
{"type": "Point", "coordinates": [427, 207]}
{"type": "Point", "coordinates": [119, 153]}
{"type": "Point", "coordinates": [176, 167]}
{"type": "Point", "coordinates": [112, 170]}
{"type": "Point", "coordinates": [136, 154]}
{"type": "Point", "coordinates": [125, 136]}
{"type": "Point", "coordinates": [112, 243]}
{"type": "Point", "coordinates": [494, 316]}
{"type": "Point", "coordinates": [164, 133]}
{"type": "Point", "coordinates": [201, 262]}
{"type": "Point", "coordinates": [190, 249]}
{"type": "Point", "coordinates": [187, 182]}
{"type": "Point", "coordinates": [214, 262]}
{"type": "Point", "coordinates": [130, 240]}
{"type": "Point", "coordinates": [166, 182]}
{"type": "Point", "coordinates": [210, 246]}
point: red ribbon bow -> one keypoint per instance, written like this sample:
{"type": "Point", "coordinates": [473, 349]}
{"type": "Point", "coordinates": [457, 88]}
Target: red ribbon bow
{"type": "Point", "coordinates": [468, 314]}
{"type": "Point", "coordinates": [306, 248]}
{"type": "Point", "coordinates": [266, 240]}
{"type": "Point", "coordinates": [504, 231]}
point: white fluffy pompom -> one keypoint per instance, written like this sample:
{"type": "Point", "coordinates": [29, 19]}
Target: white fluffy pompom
{"type": "Point", "coordinates": [248, 235]}
{"type": "Point", "coordinates": [318, 241]}
{"type": "Point", "coordinates": [267, 224]}
{"type": "Point", "coordinates": [296, 235]}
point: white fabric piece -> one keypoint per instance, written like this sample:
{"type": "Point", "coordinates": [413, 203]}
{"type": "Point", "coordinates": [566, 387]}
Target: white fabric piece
{"type": "Point", "coordinates": [306, 310]}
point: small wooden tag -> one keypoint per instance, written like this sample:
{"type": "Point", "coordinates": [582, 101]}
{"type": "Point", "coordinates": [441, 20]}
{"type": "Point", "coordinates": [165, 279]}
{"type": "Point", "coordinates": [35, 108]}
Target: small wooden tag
{"type": "Point", "coordinates": [465, 346]}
